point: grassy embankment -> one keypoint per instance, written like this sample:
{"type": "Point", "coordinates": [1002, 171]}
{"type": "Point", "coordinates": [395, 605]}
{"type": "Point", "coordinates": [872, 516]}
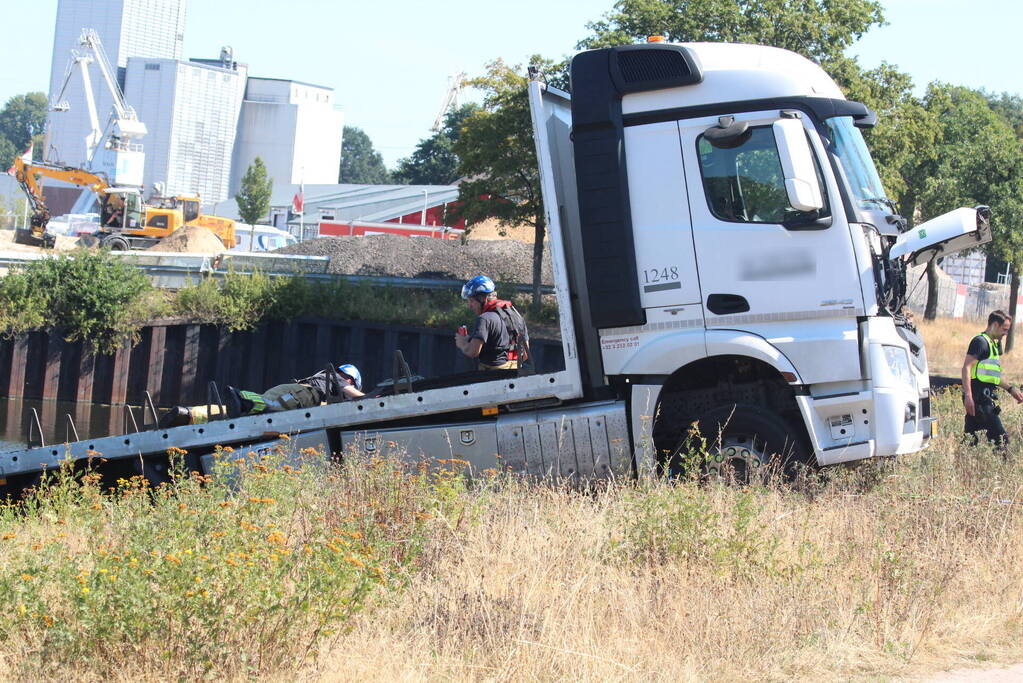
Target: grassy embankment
{"type": "Point", "coordinates": [119, 301]}
{"type": "Point", "coordinates": [891, 569]}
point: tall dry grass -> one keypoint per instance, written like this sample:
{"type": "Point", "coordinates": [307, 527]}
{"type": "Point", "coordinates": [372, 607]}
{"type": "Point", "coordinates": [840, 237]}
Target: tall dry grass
{"type": "Point", "coordinates": [892, 569]}
{"type": "Point", "coordinates": [947, 340]}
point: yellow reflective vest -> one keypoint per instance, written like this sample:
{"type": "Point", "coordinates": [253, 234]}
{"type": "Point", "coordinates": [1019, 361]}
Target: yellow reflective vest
{"type": "Point", "coordinates": [988, 370]}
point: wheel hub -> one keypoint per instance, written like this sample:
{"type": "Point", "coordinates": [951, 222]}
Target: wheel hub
{"type": "Point", "coordinates": [735, 459]}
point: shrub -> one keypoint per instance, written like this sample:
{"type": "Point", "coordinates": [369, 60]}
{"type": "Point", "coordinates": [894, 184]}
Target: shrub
{"type": "Point", "coordinates": [97, 297]}
{"type": "Point", "coordinates": [238, 302]}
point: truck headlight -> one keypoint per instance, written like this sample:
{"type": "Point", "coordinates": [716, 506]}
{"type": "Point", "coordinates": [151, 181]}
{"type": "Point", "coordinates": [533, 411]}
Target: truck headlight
{"type": "Point", "coordinates": [898, 363]}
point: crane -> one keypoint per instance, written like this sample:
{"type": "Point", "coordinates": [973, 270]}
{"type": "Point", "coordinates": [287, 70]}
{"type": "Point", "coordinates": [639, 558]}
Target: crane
{"type": "Point", "coordinates": [120, 154]}
{"type": "Point", "coordinates": [455, 84]}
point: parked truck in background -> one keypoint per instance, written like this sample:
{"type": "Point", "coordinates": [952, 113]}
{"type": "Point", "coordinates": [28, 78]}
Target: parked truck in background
{"type": "Point", "coordinates": [724, 256]}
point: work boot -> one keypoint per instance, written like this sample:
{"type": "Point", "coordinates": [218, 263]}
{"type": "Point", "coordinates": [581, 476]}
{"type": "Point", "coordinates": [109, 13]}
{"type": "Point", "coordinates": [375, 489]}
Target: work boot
{"type": "Point", "coordinates": [178, 416]}
{"type": "Point", "coordinates": [234, 403]}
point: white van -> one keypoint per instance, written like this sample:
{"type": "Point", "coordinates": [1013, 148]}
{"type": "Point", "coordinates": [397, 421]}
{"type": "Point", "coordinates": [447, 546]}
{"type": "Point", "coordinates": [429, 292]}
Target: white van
{"type": "Point", "coordinates": [256, 238]}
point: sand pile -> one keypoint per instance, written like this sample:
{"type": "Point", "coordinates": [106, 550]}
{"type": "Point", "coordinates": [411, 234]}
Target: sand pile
{"type": "Point", "coordinates": [491, 230]}
{"type": "Point", "coordinates": [425, 257]}
{"type": "Point", "coordinates": [191, 239]}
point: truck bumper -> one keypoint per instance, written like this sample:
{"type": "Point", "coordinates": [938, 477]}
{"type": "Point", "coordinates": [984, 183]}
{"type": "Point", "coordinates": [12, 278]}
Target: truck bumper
{"type": "Point", "coordinates": [866, 424]}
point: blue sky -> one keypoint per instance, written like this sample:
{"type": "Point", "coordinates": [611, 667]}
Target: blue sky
{"type": "Point", "coordinates": [389, 60]}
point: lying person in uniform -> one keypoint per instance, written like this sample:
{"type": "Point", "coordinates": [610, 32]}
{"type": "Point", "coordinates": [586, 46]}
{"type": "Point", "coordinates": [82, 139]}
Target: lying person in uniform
{"type": "Point", "coordinates": [326, 386]}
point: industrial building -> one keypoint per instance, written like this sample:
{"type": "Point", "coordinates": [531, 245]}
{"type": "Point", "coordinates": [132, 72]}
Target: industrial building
{"type": "Point", "coordinates": [191, 110]}
{"type": "Point", "coordinates": [293, 127]}
{"type": "Point", "coordinates": [128, 28]}
{"type": "Point", "coordinates": [207, 120]}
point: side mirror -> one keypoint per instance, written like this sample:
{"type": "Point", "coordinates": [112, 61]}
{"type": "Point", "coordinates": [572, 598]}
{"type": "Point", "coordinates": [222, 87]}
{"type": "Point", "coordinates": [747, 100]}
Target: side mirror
{"type": "Point", "coordinates": [801, 186]}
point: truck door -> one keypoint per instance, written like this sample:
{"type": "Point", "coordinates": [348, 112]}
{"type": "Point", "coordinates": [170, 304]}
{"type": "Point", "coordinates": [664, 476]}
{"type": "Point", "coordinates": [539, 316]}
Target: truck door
{"type": "Point", "coordinates": [661, 223]}
{"type": "Point", "coordinates": [764, 267]}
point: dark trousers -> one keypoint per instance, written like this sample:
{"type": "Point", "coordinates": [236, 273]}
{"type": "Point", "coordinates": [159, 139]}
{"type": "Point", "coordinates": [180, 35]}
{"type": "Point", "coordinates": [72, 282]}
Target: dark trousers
{"type": "Point", "coordinates": [987, 420]}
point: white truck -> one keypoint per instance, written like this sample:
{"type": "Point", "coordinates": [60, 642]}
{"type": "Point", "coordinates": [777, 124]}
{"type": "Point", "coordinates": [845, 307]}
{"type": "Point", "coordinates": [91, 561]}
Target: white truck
{"type": "Point", "coordinates": [724, 254]}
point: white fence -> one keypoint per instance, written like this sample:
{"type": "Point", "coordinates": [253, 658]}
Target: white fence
{"type": "Point", "coordinates": [972, 302]}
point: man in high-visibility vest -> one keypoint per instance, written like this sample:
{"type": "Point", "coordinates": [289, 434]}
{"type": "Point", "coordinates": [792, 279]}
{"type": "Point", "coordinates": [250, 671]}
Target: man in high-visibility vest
{"type": "Point", "coordinates": [982, 375]}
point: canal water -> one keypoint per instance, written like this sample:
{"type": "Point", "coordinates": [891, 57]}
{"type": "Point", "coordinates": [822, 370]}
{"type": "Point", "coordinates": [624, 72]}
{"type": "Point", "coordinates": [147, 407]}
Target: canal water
{"type": "Point", "coordinates": [90, 420]}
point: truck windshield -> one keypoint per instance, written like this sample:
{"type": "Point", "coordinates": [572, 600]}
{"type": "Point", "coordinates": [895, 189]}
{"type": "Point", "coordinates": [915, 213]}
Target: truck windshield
{"type": "Point", "coordinates": [859, 166]}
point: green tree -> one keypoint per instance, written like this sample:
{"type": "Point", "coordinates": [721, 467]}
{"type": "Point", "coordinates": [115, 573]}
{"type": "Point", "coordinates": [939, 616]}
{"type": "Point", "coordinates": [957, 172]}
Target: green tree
{"type": "Point", "coordinates": [23, 118]}
{"type": "Point", "coordinates": [7, 153]}
{"type": "Point", "coordinates": [819, 29]}
{"type": "Point", "coordinates": [360, 163]}
{"type": "Point", "coordinates": [1011, 107]}
{"type": "Point", "coordinates": [976, 159]}
{"type": "Point", "coordinates": [254, 195]}
{"type": "Point", "coordinates": [497, 157]}
{"type": "Point", "coordinates": [434, 161]}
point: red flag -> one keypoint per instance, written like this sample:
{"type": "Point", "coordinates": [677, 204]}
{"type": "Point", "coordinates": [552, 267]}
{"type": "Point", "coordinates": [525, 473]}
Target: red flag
{"type": "Point", "coordinates": [298, 201]}
{"type": "Point", "coordinates": [26, 157]}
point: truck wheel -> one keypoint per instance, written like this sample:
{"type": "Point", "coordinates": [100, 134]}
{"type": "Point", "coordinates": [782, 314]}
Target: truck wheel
{"type": "Point", "coordinates": [115, 244]}
{"type": "Point", "coordinates": [739, 444]}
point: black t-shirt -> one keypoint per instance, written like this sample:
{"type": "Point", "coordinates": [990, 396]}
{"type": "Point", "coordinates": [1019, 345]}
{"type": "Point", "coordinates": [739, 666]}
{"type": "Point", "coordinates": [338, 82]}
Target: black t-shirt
{"type": "Point", "coordinates": [492, 331]}
{"type": "Point", "coordinates": [981, 350]}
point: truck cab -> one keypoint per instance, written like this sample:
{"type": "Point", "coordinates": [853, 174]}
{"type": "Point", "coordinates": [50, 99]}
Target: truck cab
{"type": "Point", "coordinates": [741, 268]}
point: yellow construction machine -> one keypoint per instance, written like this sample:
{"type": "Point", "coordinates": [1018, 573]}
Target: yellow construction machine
{"type": "Point", "coordinates": [126, 222]}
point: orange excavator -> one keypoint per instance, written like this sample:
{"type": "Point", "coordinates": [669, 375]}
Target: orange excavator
{"type": "Point", "coordinates": [126, 222]}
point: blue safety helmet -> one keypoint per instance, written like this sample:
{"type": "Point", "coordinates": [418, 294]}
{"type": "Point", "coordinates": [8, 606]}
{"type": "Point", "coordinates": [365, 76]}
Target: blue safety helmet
{"type": "Point", "coordinates": [481, 284]}
{"type": "Point", "coordinates": [351, 372]}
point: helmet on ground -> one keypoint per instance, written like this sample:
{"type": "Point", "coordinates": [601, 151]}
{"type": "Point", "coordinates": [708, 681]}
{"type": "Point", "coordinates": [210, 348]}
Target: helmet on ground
{"type": "Point", "coordinates": [351, 372]}
{"type": "Point", "coordinates": [481, 284]}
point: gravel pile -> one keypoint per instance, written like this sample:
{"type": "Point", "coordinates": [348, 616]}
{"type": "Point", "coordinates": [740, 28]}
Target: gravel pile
{"type": "Point", "coordinates": [424, 257]}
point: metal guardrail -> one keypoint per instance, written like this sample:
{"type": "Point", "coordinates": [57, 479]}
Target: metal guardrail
{"type": "Point", "coordinates": [176, 271]}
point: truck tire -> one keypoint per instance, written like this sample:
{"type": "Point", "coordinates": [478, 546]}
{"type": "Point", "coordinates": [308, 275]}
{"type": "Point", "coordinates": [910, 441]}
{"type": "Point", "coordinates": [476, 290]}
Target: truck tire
{"type": "Point", "coordinates": [741, 444]}
{"type": "Point", "coordinates": [115, 244]}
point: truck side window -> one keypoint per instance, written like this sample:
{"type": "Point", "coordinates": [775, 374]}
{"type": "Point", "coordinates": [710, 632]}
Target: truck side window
{"type": "Point", "coordinates": [744, 184]}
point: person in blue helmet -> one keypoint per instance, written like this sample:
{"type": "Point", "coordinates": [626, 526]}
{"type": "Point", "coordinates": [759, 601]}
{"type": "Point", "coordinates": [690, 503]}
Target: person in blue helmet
{"type": "Point", "coordinates": [499, 339]}
{"type": "Point", "coordinates": [334, 384]}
